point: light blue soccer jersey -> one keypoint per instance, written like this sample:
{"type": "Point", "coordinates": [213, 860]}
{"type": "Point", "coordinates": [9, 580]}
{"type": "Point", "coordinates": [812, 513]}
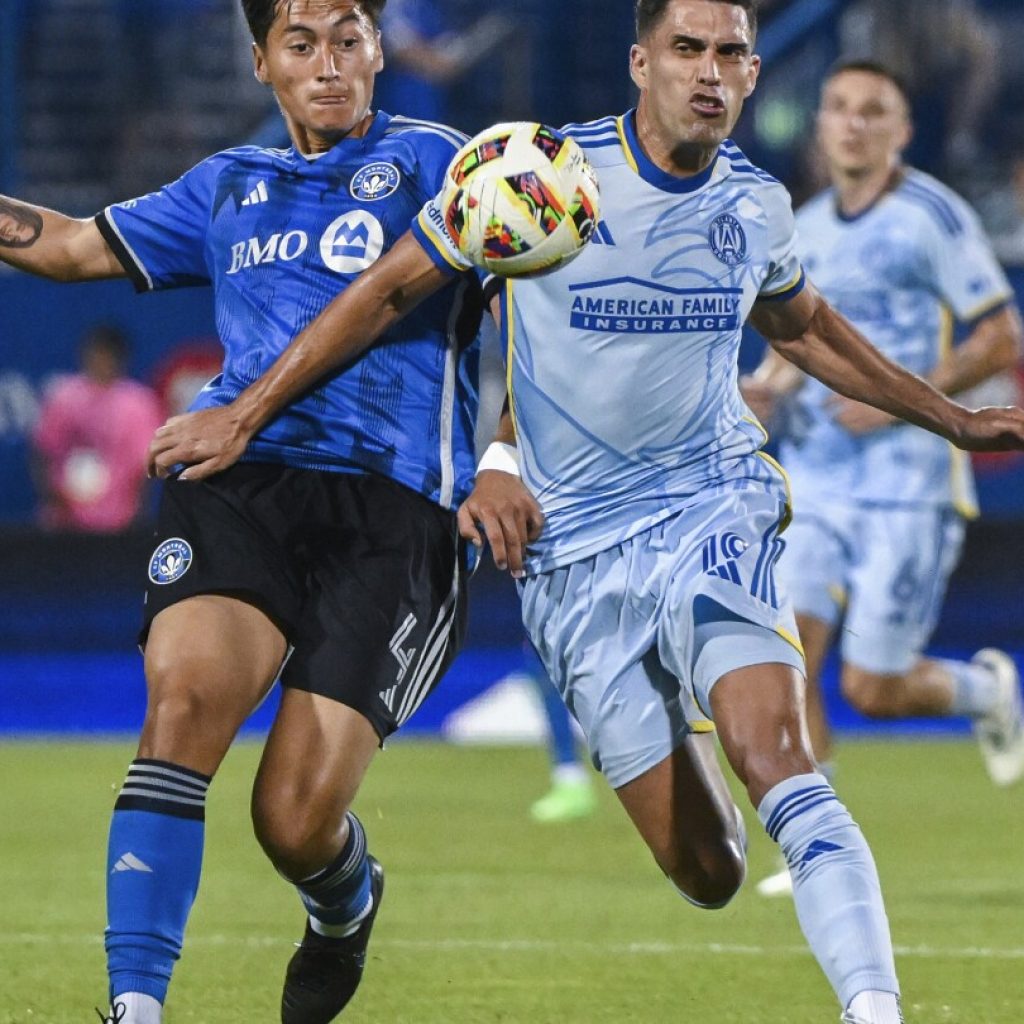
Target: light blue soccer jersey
{"type": "Point", "coordinates": [622, 364]}
{"type": "Point", "coordinates": [901, 272]}
{"type": "Point", "coordinates": [278, 236]}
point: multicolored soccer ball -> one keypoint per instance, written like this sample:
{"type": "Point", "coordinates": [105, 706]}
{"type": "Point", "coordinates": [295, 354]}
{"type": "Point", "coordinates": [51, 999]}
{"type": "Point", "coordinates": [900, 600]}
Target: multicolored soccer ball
{"type": "Point", "coordinates": [520, 199]}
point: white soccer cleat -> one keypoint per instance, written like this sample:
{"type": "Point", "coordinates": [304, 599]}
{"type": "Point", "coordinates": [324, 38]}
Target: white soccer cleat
{"type": "Point", "coordinates": [1000, 733]}
{"type": "Point", "coordinates": [779, 884]}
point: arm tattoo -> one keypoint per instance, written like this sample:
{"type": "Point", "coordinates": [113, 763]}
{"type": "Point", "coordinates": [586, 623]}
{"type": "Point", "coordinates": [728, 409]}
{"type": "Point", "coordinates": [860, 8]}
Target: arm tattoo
{"type": "Point", "coordinates": [20, 225]}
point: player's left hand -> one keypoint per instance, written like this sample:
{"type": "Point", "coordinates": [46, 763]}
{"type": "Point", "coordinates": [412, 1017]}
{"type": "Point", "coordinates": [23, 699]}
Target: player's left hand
{"type": "Point", "coordinates": [507, 513]}
{"type": "Point", "coordinates": [858, 418]}
{"type": "Point", "coordinates": [207, 442]}
{"type": "Point", "coordinates": [992, 429]}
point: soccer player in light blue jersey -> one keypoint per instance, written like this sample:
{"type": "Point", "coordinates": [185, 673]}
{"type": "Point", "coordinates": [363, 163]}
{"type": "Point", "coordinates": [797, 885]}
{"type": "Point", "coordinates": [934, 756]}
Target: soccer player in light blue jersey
{"type": "Point", "coordinates": [331, 555]}
{"type": "Point", "coordinates": [649, 591]}
{"type": "Point", "coordinates": [882, 504]}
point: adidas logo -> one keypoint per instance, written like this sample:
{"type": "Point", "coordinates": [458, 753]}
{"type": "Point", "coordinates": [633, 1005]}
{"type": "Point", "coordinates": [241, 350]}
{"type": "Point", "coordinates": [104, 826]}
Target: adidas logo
{"type": "Point", "coordinates": [129, 862]}
{"type": "Point", "coordinates": [818, 849]}
{"type": "Point", "coordinates": [258, 195]}
{"type": "Point", "coordinates": [388, 696]}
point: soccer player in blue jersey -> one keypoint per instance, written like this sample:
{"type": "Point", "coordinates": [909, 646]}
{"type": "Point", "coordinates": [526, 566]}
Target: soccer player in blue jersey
{"type": "Point", "coordinates": [882, 504]}
{"type": "Point", "coordinates": [650, 591]}
{"type": "Point", "coordinates": [331, 555]}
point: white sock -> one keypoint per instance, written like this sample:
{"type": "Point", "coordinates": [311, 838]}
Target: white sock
{"type": "Point", "coordinates": [569, 773]}
{"type": "Point", "coordinates": [135, 1008]}
{"type": "Point", "coordinates": [835, 885]}
{"type": "Point", "coordinates": [876, 1008]}
{"type": "Point", "coordinates": [975, 689]}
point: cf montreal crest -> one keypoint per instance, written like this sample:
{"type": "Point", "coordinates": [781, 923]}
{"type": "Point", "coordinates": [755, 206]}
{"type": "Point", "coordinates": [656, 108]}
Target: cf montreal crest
{"type": "Point", "coordinates": [376, 181]}
{"type": "Point", "coordinates": [170, 561]}
{"type": "Point", "coordinates": [728, 240]}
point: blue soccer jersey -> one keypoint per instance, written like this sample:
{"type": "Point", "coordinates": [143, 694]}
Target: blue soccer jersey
{"type": "Point", "coordinates": [278, 236]}
{"type": "Point", "coordinates": [623, 364]}
{"type": "Point", "coordinates": [902, 272]}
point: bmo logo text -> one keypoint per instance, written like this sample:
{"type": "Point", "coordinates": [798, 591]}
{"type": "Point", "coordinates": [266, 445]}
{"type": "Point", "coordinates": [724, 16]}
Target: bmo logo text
{"type": "Point", "coordinates": [349, 245]}
{"type": "Point", "coordinates": [281, 246]}
{"type": "Point", "coordinates": [352, 243]}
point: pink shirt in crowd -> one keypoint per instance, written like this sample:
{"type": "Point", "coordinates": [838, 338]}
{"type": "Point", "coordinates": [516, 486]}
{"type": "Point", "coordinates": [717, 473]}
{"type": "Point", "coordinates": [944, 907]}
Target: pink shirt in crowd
{"type": "Point", "coordinates": [93, 440]}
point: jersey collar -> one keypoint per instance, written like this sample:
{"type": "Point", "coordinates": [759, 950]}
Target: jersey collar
{"type": "Point", "coordinates": [346, 147]}
{"type": "Point", "coordinates": [650, 172]}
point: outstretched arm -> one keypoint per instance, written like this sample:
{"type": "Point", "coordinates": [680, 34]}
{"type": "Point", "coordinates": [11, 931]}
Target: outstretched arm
{"type": "Point", "coordinates": [809, 333]}
{"type": "Point", "coordinates": [47, 243]}
{"type": "Point", "coordinates": [213, 439]}
{"type": "Point", "coordinates": [994, 345]}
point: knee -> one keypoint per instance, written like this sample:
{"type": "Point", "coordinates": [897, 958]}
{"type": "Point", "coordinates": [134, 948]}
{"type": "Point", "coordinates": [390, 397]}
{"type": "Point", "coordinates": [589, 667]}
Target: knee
{"type": "Point", "coordinates": [707, 873]}
{"type": "Point", "coordinates": [182, 708]}
{"type": "Point", "coordinates": [711, 876]}
{"type": "Point", "coordinates": [870, 694]}
{"type": "Point", "coordinates": [297, 828]}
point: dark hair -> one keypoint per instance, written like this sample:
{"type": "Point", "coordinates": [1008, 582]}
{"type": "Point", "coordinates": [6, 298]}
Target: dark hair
{"type": "Point", "coordinates": [108, 338]}
{"type": "Point", "coordinates": [650, 12]}
{"type": "Point", "coordinates": [260, 15]}
{"type": "Point", "coordinates": [871, 67]}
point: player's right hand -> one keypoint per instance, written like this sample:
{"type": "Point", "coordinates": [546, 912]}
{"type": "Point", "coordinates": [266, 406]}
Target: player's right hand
{"type": "Point", "coordinates": [992, 429]}
{"type": "Point", "coordinates": [506, 513]}
{"type": "Point", "coordinates": [206, 442]}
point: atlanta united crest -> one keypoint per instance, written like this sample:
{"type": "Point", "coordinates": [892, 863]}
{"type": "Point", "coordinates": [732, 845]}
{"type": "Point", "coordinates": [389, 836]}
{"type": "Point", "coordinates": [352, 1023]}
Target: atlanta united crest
{"type": "Point", "coordinates": [170, 561]}
{"type": "Point", "coordinates": [728, 240]}
{"type": "Point", "coordinates": [375, 181]}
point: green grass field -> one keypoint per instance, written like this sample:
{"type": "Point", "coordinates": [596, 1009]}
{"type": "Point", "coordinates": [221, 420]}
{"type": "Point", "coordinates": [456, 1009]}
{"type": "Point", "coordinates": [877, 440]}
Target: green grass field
{"type": "Point", "coordinates": [490, 918]}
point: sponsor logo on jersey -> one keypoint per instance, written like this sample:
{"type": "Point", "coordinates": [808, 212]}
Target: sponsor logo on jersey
{"type": "Point", "coordinates": [627, 305]}
{"type": "Point", "coordinates": [375, 181]}
{"type": "Point", "coordinates": [170, 561]}
{"type": "Point", "coordinates": [728, 240]}
{"type": "Point", "coordinates": [352, 243]}
{"type": "Point", "coordinates": [279, 247]}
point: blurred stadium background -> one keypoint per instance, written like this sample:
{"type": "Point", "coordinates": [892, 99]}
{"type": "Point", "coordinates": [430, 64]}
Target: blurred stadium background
{"type": "Point", "coordinates": [101, 100]}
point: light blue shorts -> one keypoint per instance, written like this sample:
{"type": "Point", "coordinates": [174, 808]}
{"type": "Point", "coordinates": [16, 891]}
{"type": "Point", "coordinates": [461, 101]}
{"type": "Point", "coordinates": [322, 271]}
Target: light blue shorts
{"type": "Point", "coordinates": [636, 636]}
{"type": "Point", "coordinates": [881, 571]}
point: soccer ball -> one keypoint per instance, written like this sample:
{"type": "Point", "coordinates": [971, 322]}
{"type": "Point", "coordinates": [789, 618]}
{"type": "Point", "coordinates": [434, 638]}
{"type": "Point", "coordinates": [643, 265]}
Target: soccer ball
{"type": "Point", "coordinates": [520, 199]}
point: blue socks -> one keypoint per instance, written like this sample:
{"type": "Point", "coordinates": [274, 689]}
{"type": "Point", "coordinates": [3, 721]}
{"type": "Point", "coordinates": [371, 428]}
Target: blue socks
{"type": "Point", "coordinates": [154, 858]}
{"type": "Point", "coordinates": [338, 898]}
{"type": "Point", "coordinates": [835, 885]}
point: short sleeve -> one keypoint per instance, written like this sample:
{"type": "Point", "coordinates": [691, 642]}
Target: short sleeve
{"type": "Point", "coordinates": [785, 277]}
{"type": "Point", "coordinates": [968, 277]}
{"type": "Point", "coordinates": [430, 231]}
{"type": "Point", "coordinates": [160, 238]}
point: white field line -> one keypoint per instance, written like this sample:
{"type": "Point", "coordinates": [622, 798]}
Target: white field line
{"type": "Point", "coordinates": [540, 946]}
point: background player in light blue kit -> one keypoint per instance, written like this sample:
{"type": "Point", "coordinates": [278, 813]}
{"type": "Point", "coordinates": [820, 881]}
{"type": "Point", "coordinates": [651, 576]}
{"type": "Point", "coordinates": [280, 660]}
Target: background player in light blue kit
{"type": "Point", "coordinates": [882, 504]}
{"type": "Point", "coordinates": [650, 592]}
{"type": "Point", "coordinates": [331, 555]}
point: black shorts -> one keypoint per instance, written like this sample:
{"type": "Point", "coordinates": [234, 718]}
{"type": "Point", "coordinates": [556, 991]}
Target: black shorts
{"type": "Point", "coordinates": [365, 578]}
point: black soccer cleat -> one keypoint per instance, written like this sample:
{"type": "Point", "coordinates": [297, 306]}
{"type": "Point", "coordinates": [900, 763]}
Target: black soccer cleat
{"type": "Point", "coordinates": [324, 973]}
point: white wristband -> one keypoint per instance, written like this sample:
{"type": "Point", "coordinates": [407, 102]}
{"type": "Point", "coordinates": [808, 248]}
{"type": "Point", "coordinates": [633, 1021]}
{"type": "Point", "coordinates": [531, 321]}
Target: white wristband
{"type": "Point", "coordinates": [502, 457]}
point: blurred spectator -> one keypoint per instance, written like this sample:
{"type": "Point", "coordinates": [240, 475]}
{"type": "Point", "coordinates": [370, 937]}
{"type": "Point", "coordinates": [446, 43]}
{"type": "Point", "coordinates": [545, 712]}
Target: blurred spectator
{"type": "Point", "coordinates": [947, 52]}
{"type": "Point", "coordinates": [423, 56]}
{"type": "Point", "coordinates": [91, 440]}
